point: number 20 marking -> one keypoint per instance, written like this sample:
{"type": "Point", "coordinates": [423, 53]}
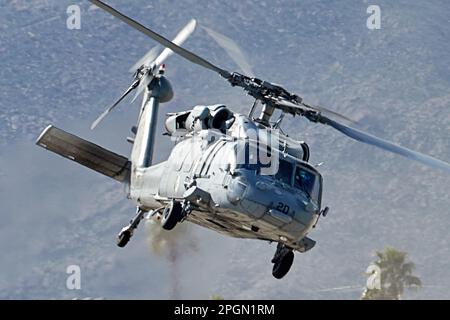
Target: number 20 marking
{"type": "Point", "coordinates": [283, 207]}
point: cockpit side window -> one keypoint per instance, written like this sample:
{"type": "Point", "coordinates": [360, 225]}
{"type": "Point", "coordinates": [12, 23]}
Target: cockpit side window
{"type": "Point", "coordinates": [284, 173]}
{"type": "Point", "coordinates": [308, 182]}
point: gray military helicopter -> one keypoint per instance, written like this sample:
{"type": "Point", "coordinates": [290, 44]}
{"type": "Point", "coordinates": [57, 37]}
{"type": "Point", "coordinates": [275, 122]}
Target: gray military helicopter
{"type": "Point", "coordinates": [239, 175]}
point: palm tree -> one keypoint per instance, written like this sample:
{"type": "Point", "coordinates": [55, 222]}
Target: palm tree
{"type": "Point", "coordinates": [395, 274]}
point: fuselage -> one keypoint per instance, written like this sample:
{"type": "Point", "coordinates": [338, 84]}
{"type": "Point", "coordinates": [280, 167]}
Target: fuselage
{"type": "Point", "coordinates": [243, 179]}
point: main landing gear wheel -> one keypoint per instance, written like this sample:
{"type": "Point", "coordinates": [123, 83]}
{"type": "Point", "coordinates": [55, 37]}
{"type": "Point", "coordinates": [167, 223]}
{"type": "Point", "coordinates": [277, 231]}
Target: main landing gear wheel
{"type": "Point", "coordinates": [283, 259]}
{"type": "Point", "coordinates": [172, 214]}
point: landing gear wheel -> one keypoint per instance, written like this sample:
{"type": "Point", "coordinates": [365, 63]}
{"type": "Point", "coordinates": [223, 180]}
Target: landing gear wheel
{"type": "Point", "coordinates": [171, 215]}
{"type": "Point", "coordinates": [127, 232]}
{"type": "Point", "coordinates": [283, 264]}
{"type": "Point", "coordinates": [123, 238]}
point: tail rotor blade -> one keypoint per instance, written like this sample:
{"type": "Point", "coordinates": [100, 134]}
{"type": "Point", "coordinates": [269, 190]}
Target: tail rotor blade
{"type": "Point", "coordinates": [146, 59]}
{"type": "Point", "coordinates": [178, 40]}
{"type": "Point", "coordinates": [152, 54]}
{"type": "Point", "coordinates": [182, 35]}
{"type": "Point", "coordinates": [108, 110]}
{"type": "Point", "coordinates": [145, 81]}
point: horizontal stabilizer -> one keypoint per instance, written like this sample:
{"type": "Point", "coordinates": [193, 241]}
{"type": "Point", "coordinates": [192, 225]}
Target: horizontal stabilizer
{"type": "Point", "coordinates": [85, 153]}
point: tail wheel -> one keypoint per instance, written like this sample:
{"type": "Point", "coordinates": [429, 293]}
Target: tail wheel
{"type": "Point", "coordinates": [171, 215]}
{"type": "Point", "coordinates": [123, 238]}
{"type": "Point", "coordinates": [283, 265]}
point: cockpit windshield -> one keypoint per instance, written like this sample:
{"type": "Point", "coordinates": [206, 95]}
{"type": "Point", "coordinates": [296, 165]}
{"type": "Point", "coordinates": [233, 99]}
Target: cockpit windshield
{"type": "Point", "coordinates": [307, 181]}
{"type": "Point", "coordinates": [294, 174]}
{"type": "Point", "coordinates": [284, 173]}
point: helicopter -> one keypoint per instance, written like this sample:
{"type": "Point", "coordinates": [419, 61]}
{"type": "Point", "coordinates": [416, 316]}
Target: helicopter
{"type": "Point", "coordinates": [239, 175]}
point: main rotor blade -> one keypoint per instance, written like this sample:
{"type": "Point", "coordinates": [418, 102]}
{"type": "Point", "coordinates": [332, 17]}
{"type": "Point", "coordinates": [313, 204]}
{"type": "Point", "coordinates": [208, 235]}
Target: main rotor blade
{"type": "Point", "coordinates": [163, 41]}
{"type": "Point", "coordinates": [232, 49]}
{"type": "Point", "coordinates": [108, 110]}
{"type": "Point", "coordinates": [386, 145]}
{"type": "Point", "coordinates": [334, 113]}
{"type": "Point", "coordinates": [178, 40]}
{"type": "Point", "coordinates": [289, 107]}
{"type": "Point", "coordinates": [295, 108]}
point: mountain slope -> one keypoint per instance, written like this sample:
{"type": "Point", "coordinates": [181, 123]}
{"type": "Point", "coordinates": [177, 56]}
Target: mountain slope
{"type": "Point", "coordinates": [394, 80]}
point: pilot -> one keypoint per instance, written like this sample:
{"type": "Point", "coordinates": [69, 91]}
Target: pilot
{"type": "Point", "coordinates": [304, 180]}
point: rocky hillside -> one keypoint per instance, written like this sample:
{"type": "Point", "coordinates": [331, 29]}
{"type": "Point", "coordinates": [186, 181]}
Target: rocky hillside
{"type": "Point", "coordinates": [395, 81]}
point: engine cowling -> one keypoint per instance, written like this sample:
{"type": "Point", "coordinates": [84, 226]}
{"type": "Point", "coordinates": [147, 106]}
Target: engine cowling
{"type": "Point", "coordinates": [217, 117]}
